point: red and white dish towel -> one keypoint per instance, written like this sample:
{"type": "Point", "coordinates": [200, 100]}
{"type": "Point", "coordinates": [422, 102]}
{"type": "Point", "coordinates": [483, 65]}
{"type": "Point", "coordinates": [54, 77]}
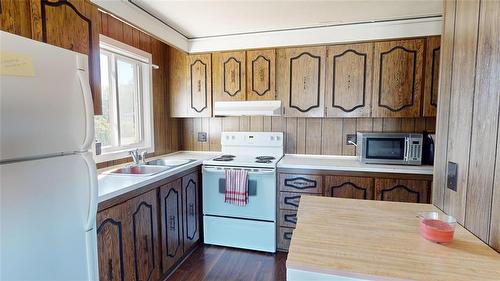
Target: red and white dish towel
{"type": "Point", "coordinates": [236, 189]}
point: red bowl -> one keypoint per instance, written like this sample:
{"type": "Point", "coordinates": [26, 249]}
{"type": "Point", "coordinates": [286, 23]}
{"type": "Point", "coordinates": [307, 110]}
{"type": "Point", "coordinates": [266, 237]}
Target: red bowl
{"type": "Point", "coordinates": [437, 228]}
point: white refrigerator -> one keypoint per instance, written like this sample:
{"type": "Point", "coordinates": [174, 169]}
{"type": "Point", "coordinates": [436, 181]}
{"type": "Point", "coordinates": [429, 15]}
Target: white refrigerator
{"type": "Point", "coordinates": [48, 180]}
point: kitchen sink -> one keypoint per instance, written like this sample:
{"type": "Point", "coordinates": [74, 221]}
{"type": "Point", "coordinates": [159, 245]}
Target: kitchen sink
{"type": "Point", "coordinates": [142, 170]}
{"type": "Point", "coordinates": [169, 162]}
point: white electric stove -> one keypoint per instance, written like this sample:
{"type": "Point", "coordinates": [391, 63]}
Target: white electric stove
{"type": "Point", "coordinates": [252, 226]}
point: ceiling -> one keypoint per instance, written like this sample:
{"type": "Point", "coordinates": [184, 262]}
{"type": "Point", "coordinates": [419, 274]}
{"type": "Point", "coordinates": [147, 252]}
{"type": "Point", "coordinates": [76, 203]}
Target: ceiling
{"type": "Point", "coordinates": [201, 19]}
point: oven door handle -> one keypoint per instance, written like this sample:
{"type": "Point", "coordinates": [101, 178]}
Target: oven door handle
{"type": "Point", "coordinates": [252, 171]}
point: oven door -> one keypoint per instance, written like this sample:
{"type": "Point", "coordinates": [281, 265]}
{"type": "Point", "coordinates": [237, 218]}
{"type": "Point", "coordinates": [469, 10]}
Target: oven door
{"type": "Point", "coordinates": [385, 149]}
{"type": "Point", "coordinates": [261, 200]}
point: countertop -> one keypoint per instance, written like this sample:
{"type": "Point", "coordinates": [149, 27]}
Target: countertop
{"type": "Point", "coordinates": [347, 163]}
{"type": "Point", "coordinates": [114, 185]}
{"type": "Point", "coordinates": [379, 240]}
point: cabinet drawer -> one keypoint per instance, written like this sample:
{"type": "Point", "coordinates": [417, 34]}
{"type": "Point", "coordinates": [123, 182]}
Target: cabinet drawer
{"type": "Point", "coordinates": [301, 183]}
{"type": "Point", "coordinates": [288, 218]}
{"type": "Point", "coordinates": [284, 238]}
{"type": "Point", "coordinates": [290, 200]}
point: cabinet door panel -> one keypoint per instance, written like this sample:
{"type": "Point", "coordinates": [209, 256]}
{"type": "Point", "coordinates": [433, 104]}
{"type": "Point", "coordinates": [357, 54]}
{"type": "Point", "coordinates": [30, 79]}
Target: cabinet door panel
{"type": "Point", "coordinates": [291, 200]}
{"type": "Point", "coordinates": [191, 209]}
{"type": "Point", "coordinates": [261, 73]}
{"type": "Point", "coordinates": [397, 88]}
{"type": "Point", "coordinates": [412, 191]}
{"type": "Point", "coordinates": [288, 218]}
{"type": "Point", "coordinates": [229, 76]}
{"type": "Point", "coordinates": [110, 245]}
{"type": "Point", "coordinates": [72, 25]}
{"type": "Point", "coordinates": [431, 86]}
{"type": "Point", "coordinates": [349, 187]}
{"type": "Point", "coordinates": [200, 85]}
{"type": "Point", "coordinates": [349, 80]}
{"type": "Point", "coordinates": [171, 223]}
{"type": "Point", "coordinates": [301, 81]}
{"type": "Point", "coordinates": [301, 183]}
{"type": "Point", "coordinates": [142, 212]}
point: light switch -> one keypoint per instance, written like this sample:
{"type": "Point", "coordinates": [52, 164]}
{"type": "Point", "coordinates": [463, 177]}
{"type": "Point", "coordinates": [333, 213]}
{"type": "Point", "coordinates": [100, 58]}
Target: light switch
{"type": "Point", "coordinates": [451, 180]}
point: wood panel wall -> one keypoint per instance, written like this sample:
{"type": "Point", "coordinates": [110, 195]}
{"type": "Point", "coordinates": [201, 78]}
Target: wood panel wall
{"type": "Point", "coordinates": [321, 136]}
{"type": "Point", "coordinates": [467, 122]}
{"type": "Point", "coordinates": [166, 129]}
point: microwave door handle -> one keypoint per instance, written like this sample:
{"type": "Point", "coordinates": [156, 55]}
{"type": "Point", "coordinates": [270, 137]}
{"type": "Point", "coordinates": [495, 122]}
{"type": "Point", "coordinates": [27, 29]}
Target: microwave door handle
{"type": "Point", "coordinates": [407, 149]}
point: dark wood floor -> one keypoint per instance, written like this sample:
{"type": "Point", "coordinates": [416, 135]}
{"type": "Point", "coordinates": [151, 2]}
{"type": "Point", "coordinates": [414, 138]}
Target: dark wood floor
{"type": "Point", "coordinates": [213, 263]}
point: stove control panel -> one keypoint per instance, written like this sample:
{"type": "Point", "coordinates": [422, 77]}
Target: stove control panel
{"type": "Point", "coordinates": [252, 139]}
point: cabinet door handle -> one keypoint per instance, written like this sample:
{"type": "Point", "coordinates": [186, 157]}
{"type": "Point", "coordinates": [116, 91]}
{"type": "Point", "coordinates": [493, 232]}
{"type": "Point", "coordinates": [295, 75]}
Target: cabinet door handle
{"type": "Point", "coordinates": [172, 223]}
{"type": "Point", "coordinates": [110, 269]}
{"type": "Point", "coordinates": [191, 209]}
{"type": "Point", "coordinates": [146, 247]}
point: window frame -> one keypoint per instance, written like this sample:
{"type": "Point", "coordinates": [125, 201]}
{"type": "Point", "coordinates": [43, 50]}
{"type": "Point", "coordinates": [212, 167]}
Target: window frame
{"type": "Point", "coordinates": [114, 50]}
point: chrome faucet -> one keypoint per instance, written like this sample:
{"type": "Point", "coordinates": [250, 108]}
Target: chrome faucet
{"type": "Point", "coordinates": [138, 158]}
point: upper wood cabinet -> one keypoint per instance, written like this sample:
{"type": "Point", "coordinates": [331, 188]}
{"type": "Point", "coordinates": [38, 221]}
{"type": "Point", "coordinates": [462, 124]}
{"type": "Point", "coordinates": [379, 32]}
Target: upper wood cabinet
{"type": "Point", "coordinates": [171, 223]}
{"type": "Point", "coordinates": [412, 191]}
{"type": "Point", "coordinates": [349, 187]}
{"type": "Point", "coordinates": [301, 81]}
{"type": "Point", "coordinates": [229, 76]}
{"type": "Point", "coordinates": [397, 79]}
{"type": "Point", "coordinates": [349, 80]}
{"type": "Point", "coordinates": [190, 84]}
{"type": "Point", "coordinates": [261, 74]}
{"type": "Point", "coordinates": [73, 25]}
{"type": "Point", "coordinates": [127, 240]}
{"type": "Point", "coordinates": [431, 83]}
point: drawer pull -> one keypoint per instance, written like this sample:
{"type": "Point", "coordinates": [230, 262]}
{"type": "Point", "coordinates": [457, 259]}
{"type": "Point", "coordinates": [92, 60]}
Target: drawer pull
{"type": "Point", "coordinates": [287, 235]}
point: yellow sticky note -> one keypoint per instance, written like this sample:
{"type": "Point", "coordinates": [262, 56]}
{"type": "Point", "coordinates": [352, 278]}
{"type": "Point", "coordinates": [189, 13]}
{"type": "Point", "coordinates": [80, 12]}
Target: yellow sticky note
{"type": "Point", "coordinates": [16, 64]}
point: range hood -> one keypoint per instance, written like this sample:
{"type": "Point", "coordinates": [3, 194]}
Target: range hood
{"type": "Point", "coordinates": [247, 108]}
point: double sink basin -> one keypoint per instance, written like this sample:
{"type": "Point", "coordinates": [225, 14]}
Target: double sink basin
{"type": "Point", "coordinates": [151, 167]}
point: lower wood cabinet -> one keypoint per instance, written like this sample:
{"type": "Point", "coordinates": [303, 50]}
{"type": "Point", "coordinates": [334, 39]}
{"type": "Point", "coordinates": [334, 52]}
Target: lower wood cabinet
{"type": "Point", "coordinates": [191, 208]}
{"type": "Point", "coordinates": [349, 187]}
{"type": "Point", "coordinates": [128, 233]}
{"type": "Point", "coordinates": [412, 191]}
{"type": "Point", "coordinates": [367, 186]}
{"type": "Point", "coordinates": [127, 239]}
{"type": "Point", "coordinates": [171, 223]}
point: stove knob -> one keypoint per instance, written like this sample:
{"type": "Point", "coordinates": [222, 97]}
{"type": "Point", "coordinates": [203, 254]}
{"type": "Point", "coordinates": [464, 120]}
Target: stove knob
{"type": "Point", "coordinates": [272, 138]}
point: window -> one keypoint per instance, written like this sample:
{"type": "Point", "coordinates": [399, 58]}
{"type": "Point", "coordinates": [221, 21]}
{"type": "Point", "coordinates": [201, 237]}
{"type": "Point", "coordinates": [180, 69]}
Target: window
{"type": "Point", "coordinates": [126, 120]}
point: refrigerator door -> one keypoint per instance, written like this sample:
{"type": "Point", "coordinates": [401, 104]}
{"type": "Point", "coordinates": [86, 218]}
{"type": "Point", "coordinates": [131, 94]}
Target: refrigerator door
{"type": "Point", "coordinates": [47, 219]}
{"type": "Point", "coordinates": [46, 104]}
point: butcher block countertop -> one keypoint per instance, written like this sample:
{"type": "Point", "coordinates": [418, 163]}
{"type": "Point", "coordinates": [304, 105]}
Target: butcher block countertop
{"type": "Point", "coordinates": [379, 240]}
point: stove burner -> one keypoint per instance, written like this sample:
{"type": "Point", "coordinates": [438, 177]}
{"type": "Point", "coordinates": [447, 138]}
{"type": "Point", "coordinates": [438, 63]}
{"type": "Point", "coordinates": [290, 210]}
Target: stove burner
{"type": "Point", "coordinates": [227, 156]}
{"type": "Point", "coordinates": [264, 158]}
{"type": "Point", "coordinates": [223, 159]}
{"type": "Point", "coordinates": [263, 161]}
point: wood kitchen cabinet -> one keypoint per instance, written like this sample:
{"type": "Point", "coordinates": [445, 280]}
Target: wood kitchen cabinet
{"type": "Point", "coordinates": [191, 191]}
{"type": "Point", "coordinates": [190, 84]}
{"type": "Point", "coordinates": [70, 24]}
{"type": "Point", "coordinates": [229, 76]}
{"type": "Point", "coordinates": [261, 74]}
{"type": "Point", "coordinates": [349, 187]}
{"type": "Point", "coordinates": [412, 191]}
{"type": "Point", "coordinates": [171, 223]}
{"type": "Point", "coordinates": [349, 80]}
{"type": "Point", "coordinates": [431, 83]}
{"type": "Point", "coordinates": [397, 78]}
{"type": "Point", "coordinates": [127, 240]}
{"type": "Point", "coordinates": [111, 243]}
{"type": "Point", "coordinates": [301, 81]}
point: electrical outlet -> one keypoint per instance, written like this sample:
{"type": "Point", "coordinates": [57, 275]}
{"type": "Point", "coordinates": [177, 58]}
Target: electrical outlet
{"type": "Point", "coordinates": [350, 139]}
{"type": "Point", "coordinates": [202, 137]}
{"type": "Point", "coordinates": [451, 181]}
